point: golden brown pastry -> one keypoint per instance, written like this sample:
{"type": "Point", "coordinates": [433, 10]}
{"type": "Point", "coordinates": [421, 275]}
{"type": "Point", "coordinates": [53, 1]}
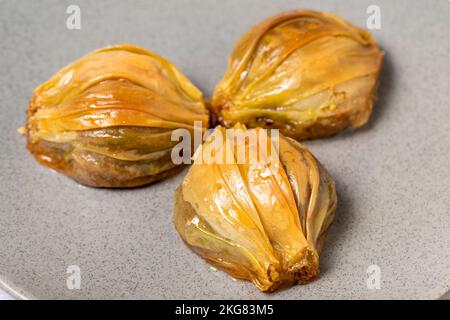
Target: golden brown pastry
{"type": "Point", "coordinates": [106, 120]}
{"type": "Point", "coordinates": [255, 220]}
{"type": "Point", "coordinates": [308, 73]}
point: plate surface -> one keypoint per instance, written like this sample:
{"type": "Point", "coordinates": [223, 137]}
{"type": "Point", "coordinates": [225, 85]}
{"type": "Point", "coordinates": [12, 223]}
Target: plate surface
{"type": "Point", "coordinates": [393, 175]}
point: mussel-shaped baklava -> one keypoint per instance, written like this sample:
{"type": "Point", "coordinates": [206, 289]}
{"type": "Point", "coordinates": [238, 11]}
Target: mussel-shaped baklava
{"type": "Point", "coordinates": [262, 218]}
{"type": "Point", "coordinates": [106, 120]}
{"type": "Point", "coordinates": [308, 73]}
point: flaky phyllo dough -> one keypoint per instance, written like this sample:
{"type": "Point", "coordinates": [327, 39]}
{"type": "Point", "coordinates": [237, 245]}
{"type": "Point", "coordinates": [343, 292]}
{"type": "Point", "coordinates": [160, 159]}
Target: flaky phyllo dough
{"type": "Point", "coordinates": [308, 73]}
{"type": "Point", "coordinates": [106, 120]}
{"type": "Point", "coordinates": [255, 220]}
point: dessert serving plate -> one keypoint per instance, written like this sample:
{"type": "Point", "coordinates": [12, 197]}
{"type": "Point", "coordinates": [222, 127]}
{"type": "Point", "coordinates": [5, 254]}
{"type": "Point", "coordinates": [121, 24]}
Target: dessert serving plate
{"type": "Point", "coordinates": [391, 235]}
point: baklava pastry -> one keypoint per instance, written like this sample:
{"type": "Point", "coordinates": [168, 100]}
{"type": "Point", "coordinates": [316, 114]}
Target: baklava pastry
{"type": "Point", "coordinates": [106, 120]}
{"type": "Point", "coordinates": [309, 74]}
{"type": "Point", "coordinates": [263, 220]}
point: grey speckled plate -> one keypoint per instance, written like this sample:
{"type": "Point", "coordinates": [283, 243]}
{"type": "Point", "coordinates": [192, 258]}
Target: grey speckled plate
{"type": "Point", "coordinates": [393, 176]}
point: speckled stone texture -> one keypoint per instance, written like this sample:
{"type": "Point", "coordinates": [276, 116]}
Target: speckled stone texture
{"type": "Point", "coordinates": [393, 175]}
